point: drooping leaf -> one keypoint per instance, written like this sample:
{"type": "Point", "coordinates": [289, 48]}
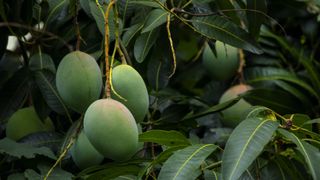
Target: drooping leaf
{"type": "Point", "coordinates": [14, 149]}
{"type": "Point", "coordinates": [158, 72]}
{"type": "Point", "coordinates": [254, 75]}
{"type": "Point", "coordinates": [216, 27]}
{"type": "Point", "coordinates": [9, 64]}
{"type": "Point", "coordinates": [245, 144]}
{"type": "Point", "coordinates": [168, 138]}
{"type": "Point", "coordinates": [46, 82]}
{"type": "Point", "coordinates": [155, 18]}
{"type": "Point", "coordinates": [144, 43]}
{"type": "Point", "coordinates": [213, 109]}
{"type": "Point", "coordinates": [184, 164]}
{"type": "Point", "coordinates": [276, 99]}
{"type": "Point", "coordinates": [13, 93]}
{"type": "Point", "coordinates": [255, 15]}
{"type": "Point", "coordinates": [314, 121]}
{"type": "Point", "coordinates": [310, 153]}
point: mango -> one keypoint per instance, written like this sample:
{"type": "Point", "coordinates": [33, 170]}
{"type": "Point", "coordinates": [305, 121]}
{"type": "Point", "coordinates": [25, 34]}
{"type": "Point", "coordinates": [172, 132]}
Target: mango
{"type": "Point", "coordinates": [232, 116]}
{"type": "Point", "coordinates": [111, 129]}
{"type": "Point", "coordinates": [84, 154]}
{"type": "Point", "coordinates": [26, 121]}
{"type": "Point", "coordinates": [224, 64]}
{"type": "Point", "coordinates": [128, 83]}
{"type": "Point", "coordinates": [79, 80]}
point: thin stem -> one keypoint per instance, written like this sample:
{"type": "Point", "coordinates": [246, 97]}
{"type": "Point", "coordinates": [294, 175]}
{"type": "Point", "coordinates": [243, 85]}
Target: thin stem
{"type": "Point", "coordinates": [171, 46]}
{"type": "Point", "coordinates": [214, 165]}
{"type": "Point", "coordinates": [13, 24]}
{"type": "Point", "coordinates": [116, 20]}
{"type": "Point", "coordinates": [106, 44]}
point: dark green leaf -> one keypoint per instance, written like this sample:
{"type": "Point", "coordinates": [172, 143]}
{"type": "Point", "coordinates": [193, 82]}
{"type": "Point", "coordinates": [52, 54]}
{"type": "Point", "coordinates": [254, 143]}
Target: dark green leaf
{"type": "Point", "coordinates": [41, 61]}
{"type": "Point", "coordinates": [310, 153]}
{"type": "Point", "coordinates": [245, 144]}
{"type": "Point", "coordinates": [143, 44]}
{"type": "Point", "coordinates": [211, 175]}
{"type": "Point", "coordinates": [168, 138]}
{"type": "Point", "coordinates": [213, 109]}
{"type": "Point", "coordinates": [130, 33]}
{"type": "Point", "coordinates": [184, 164]}
{"type": "Point", "coordinates": [115, 171]}
{"type": "Point", "coordinates": [155, 18]}
{"type": "Point", "coordinates": [269, 74]}
{"type": "Point", "coordinates": [10, 147]}
{"type": "Point", "coordinates": [255, 15]}
{"type": "Point", "coordinates": [57, 173]}
{"type": "Point", "coordinates": [279, 101]}
{"type": "Point", "coordinates": [228, 6]}
{"type": "Point", "coordinates": [216, 27]}
{"type": "Point", "coordinates": [46, 82]}
{"type": "Point", "coordinates": [13, 93]}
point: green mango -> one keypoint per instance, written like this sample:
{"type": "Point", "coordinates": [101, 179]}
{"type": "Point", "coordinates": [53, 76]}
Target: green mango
{"type": "Point", "coordinates": [84, 154]}
{"type": "Point", "coordinates": [111, 129]}
{"type": "Point", "coordinates": [79, 80]}
{"type": "Point", "coordinates": [224, 65]}
{"type": "Point", "coordinates": [128, 83]}
{"type": "Point", "coordinates": [232, 116]}
{"type": "Point", "coordinates": [26, 121]}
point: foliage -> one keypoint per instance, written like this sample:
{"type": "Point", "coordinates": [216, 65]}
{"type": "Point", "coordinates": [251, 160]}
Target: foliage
{"type": "Point", "coordinates": [183, 133]}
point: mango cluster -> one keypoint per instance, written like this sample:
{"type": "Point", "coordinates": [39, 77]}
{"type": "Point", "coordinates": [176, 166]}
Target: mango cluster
{"type": "Point", "coordinates": [110, 125]}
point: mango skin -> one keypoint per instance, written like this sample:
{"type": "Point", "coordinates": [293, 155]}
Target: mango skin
{"type": "Point", "coordinates": [224, 65]}
{"type": "Point", "coordinates": [26, 121]}
{"type": "Point", "coordinates": [84, 154]}
{"type": "Point", "coordinates": [111, 129]}
{"type": "Point", "coordinates": [79, 80]}
{"type": "Point", "coordinates": [232, 116]}
{"type": "Point", "coordinates": [128, 83]}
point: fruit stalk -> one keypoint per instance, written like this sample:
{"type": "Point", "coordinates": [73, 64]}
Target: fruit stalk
{"type": "Point", "coordinates": [106, 44]}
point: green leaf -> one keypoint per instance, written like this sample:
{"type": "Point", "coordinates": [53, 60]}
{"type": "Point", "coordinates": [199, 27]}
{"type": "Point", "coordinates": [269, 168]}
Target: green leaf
{"type": "Point", "coordinates": [168, 138]}
{"type": "Point", "coordinates": [115, 171]}
{"type": "Point", "coordinates": [57, 173]}
{"type": "Point", "coordinates": [245, 144]}
{"type": "Point", "coordinates": [295, 92]}
{"type": "Point", "coordinates": [10, 147]}
{"type": "Point", "coordinates": [130, 33]}
{"type": "Point", "coordinates": [314, 121]}
{"type": "Point", "coordinates": [227, 5]}
{"type": "Point", "coordinates": [184, 164]}
{"type": "Point", "coordinates": [308, 63]}
{"type": "Point", "coordinates": [255, 16]}
{"type": "Point", "coordinates": [254, 75]}
{"type": "Point", "coordinates": [143, 44]}
{"type": "Point", "coordinates": [219, 28]}
{"type": "Point", "coordinates": [41, 61]}
{"type": "Point", "coordinates": [13, 93]}
{"type": "Point", "coordinates": [98, 15]}
{"type": "Point", "coordinates": [310, 153]}
{"type": "Point", "coordinates": [155, 18]}
{"type": "Point", "coordinates": [149, 3]}
{"type": "Point", "coordinates": [278, 100]}
{"type": "Point", "coordinates": [213, 109]}
{"type": "Point", "coordinates": [211, 175]}
{"type": "Point", "coordinates": [46, 83]}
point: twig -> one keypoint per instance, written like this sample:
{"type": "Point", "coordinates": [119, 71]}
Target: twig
{"type": "Point", "coordinates": [77, 26]}
{"type": "Point", "coordinates": [13, 24]}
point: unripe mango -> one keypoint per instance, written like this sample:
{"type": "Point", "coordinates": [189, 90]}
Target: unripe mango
{"type": "Point", "coordinates": [111, 129]}
{"type": "Point", "coordinates": [232, 116]}
{"type": "Point", "coordinates": [26, 121]}
{"type": "Point", "coordinates": [84, 154]}
{"type": "Point", "coordinates": [224, 65]}
{"type": "Point", "coordinates": [79, 80]}
{"type": "Point", "coordinates": [128, 83]}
